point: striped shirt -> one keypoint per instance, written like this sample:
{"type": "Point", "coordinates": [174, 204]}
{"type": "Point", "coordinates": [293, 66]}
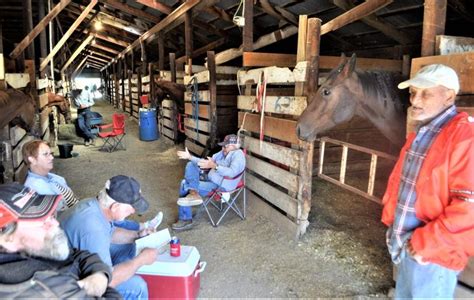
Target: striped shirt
{"type": "Point", "coordinates": [405, 221]}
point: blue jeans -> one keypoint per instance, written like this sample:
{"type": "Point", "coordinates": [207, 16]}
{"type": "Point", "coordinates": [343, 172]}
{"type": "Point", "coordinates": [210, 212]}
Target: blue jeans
{"type": "Point", "coordinates": [83, 121]}
{"type": "Point", "coordinates": [424, 281]}
{"type": "Point", "coordinates": [135, 287]}
{"type": "Point", "coordinates": [191, 182]}
{"type": "Point", "coordinates": [128, 224]}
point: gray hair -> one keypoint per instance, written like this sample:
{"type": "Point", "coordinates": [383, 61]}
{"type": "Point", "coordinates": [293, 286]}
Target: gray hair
{"type": "Point", "coordinates": [104, 199]}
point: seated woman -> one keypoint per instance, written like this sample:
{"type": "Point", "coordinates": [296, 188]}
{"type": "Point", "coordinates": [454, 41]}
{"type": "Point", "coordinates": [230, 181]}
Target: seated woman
{"type": "Point", "coordinates": [39, 159]}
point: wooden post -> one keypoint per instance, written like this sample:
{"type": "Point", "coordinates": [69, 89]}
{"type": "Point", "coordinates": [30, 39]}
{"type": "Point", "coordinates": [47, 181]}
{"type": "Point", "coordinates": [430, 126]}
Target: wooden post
{"type": "Point", "coordinates": [123, 74]}
{"type": "Point", "coordinates": [28, 26]}
{"type": "Point", "coordinates": [161, 52]}
{"type": "Point", "coordinates": [132, 56]}
{"type": "Point", "coordinates": [434, 20]}
{"type": "Point", "coordinates": [43, 49]}
{"type": "Point", "coordinates": [211, 66]}
{"type": "Point", "coordinates": [301, 50]}
{"type": "Point", "coordinates": [312, 49]}
{"type": "Point", "coordinates": [173, 66]}
{"type": "Point", "coordinates": [130, 91]}
{"type": "Point", "coordinates": [151, 74]}
{"type": "Point", "coordinates": [188, 38]}
{"type": "Point", "coordinates": [143, 57]}
{"type": "Point", "coordinates": [139, 84]}
{"type": "Point", "coordinates": [248, 27]}
{"type": "Point", "coordinates": [116, 85]}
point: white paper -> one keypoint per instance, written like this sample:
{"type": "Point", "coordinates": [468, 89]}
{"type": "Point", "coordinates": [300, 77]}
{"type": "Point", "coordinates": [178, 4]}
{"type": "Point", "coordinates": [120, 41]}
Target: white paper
{"type": "Point", "coordinates": [155, 240]}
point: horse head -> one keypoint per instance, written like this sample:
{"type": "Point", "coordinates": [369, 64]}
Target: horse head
{"type": "Point", "coordinates": [62, 104]}
{"type": "Point", "coordinates": [331, 104]}
{"type": "Point", "coordinates": [18, 109]}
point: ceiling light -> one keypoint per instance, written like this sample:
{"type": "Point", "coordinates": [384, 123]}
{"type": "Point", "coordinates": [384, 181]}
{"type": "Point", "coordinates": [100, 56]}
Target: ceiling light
{"type": "Point", "coordinates": [98, 25]}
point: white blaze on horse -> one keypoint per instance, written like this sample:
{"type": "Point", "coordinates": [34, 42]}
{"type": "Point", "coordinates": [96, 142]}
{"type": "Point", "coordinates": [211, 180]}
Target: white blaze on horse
{"type": "Point", "coordinates": [346, 92]}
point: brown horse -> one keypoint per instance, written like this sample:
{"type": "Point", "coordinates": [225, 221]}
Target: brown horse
{"type": "Point", "coordinates": [347, 92]}
{"type": "Point", "coordinates": [174, 91]}
{"type": "Point", "coordinates": [62, 104]}
{"type": "Point", "coordinates": [18, 108]}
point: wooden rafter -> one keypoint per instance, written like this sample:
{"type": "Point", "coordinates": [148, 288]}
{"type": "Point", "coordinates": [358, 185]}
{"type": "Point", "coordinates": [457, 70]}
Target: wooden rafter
{"type": "Point", "coordinates": [79, 67]}
{"type": "Point", "coordinates": [203, 50]}
{"type": "Point", "coordinates": [104, 61]}
{"type": "Point", "coordinates": [63, 40]}
{"type": "Point", "coordinates": [131, 10]}
{"type": "Point", "coordinates": [97, 53]}
{"type": "Point", "coordinates": [378, 24]}
{"type": "Point", "coordinates": [105, 48]}
{"type": "Point", "coordinates": [360, 11]}
{"type": "Point", "coordinates": [156, 5]}
{"type": "Point", "coordinates": [77, 51]}
{"type": "Point", "coordinates": [111, 40]}
{"type": "Point", "coordinates": [38, 28]}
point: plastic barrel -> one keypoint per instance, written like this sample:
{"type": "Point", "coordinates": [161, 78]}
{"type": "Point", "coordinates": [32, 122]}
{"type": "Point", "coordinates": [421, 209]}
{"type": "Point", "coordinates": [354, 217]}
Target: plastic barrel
{"type": "Point", "coordinates": [148, 126]}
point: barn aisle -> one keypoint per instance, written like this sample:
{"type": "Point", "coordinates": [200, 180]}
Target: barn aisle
{"type": "Point", "coordinates": [246, 258]}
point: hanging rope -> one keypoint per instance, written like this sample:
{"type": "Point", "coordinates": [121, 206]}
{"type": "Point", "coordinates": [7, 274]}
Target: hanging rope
{"type": "Point", "coordinates": [261, 95]}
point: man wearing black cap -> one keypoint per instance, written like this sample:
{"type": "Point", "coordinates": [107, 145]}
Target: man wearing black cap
{"type": "Point", "coordinates": [229, 163]}
{"type": "Point", "coordinates": [35, 259]}
{"type": "Point", "coordinates": [89, 226]}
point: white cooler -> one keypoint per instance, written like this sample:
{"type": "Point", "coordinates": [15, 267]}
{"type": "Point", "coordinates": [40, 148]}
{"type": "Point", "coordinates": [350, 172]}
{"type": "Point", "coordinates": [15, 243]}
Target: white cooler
{"type": "Point", "coordinates": [174, 277]}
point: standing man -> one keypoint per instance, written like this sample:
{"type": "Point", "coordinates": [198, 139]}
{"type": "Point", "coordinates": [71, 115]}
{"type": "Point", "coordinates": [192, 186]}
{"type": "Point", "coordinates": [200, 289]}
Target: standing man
{"type": "Point", "coordinates": [84, 114]}
{"type": "Point", "coordinates": [229, 162]}
{"type": "Point", "coordinates": [429, 202]}
{"type": "Point", "coordinates": [35, 259]}
{"type": "Point", "coordinates": [89, 226]}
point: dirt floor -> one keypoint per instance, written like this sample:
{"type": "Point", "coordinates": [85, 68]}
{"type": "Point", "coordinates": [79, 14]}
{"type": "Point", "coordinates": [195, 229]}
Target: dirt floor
{"type": "Point", "coordinates": [343, 253]}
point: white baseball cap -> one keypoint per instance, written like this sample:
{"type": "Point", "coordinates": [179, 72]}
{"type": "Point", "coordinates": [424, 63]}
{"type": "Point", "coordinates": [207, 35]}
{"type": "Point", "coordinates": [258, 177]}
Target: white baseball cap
{"type": "Point", "coordinates": [433, 75]}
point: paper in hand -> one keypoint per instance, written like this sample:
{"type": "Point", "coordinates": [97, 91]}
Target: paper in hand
{"type": "Point", "coordinates": [155, 240]}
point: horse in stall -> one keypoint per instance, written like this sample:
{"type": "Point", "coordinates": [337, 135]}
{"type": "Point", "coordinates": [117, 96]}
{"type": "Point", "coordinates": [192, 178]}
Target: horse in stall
{"type": "Point", "coordinates": [63, 105]}
{"type": "Point", "coordinates": [18, 108]}
{"type": "Point", "coordinates": [346, 92]}
{"type": "Point", "coordinates": [174, 91]}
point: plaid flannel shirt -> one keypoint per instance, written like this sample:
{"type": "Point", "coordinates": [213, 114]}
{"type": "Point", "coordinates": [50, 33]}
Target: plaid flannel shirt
{"type": "Point", "coordinates": [405, 221]}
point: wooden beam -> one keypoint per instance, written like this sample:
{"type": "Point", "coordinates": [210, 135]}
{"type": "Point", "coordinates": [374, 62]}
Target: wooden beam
{"type": "Point", "coordinates": [203, 49]}
{"type": "Point", "coordinates": [99, 54]}
{"type": "Point", "coordinates": [99, 59]}
{"type": "Point", "coordinates": [376, 23]}
{"type": "Point", "coordinates": [131, 10]}
{"type": "Point", "coordinates": [434, 20]}
{"type": "Point", "coordinates": [175, 15]}
{"type": "Point", "coordinates": [247, 34]}
{"type": "Point", "coordinates": [108, 49]}
{"type": "Point", "coordinates": [77, 51]}
{"type": "Point", "coordinates": [111, 40]}
{"type": "Point", "coordinates": [79, 66]}
{"type": "Point", "coordinates": [38, 28]}
{"type": "Point", "coordinates": [65, 37]}
{"type": "Point", "coordinates": [358, 12]}
{"type": "Point", "coordinates": [188, 37]}
{"type": "Point", "coordinates": [263, 41]}
{"type": "Point", "coordinates": [156, 5]}
{"type": "Point", "coordinates": [256, 59]}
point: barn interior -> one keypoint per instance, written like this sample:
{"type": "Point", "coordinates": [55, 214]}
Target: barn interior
{"type": "Point", "coordinates": [227, 50]}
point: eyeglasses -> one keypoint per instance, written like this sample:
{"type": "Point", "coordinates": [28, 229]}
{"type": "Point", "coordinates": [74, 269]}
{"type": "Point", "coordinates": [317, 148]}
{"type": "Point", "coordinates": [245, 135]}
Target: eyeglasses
{"type": "Point", "coordinates": [46, 154]}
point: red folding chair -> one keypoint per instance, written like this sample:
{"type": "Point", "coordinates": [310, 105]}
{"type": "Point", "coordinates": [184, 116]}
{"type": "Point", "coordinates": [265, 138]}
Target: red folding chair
{"type": "Point", "coordinates": [113, 139]}
{"type": "Point", "coordinates": [223, 201]}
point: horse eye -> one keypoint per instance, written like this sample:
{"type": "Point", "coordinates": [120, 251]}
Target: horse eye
{"type": "Point", "coordinates": [326, 92]}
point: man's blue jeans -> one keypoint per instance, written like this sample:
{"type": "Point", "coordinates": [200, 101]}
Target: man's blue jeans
{"type": "Point", "coordinates": [135, 287]}
{"type": "Point", "coordinates": [191, 182]}
{"type": "Point", "coordinates": [429, 281]}
{"type": "Point", "coordinates": [84, 123]}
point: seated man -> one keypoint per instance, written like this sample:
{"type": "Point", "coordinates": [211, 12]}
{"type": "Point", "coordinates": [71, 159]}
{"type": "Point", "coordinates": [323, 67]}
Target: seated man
{"type": "Point", "coordinates": [89, 226]}
{"type": "Point", "coordinates": [35, 259]}
{"type": "Point", "coordinates": [84, 103]}
{"type": "Point", "coordinates": [229, 162]}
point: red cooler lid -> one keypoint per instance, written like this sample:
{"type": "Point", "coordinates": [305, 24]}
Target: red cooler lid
{"type": "Point", "coordinates": [167, 265]}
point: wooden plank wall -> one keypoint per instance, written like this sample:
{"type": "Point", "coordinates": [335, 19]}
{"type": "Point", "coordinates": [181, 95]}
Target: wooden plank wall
{"type": "Point", "coordinates": [278, 177]}
{"type": "Point", "coordinates": [170, 118]}
{"type": "Point", "coordinates": [208, 120]}
{"type": "Point", "coordinates": [134, 97]}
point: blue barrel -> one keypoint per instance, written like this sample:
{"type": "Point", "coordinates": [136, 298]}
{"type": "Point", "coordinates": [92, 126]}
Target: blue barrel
{"type": "Point", "coordinates": [147, 124]}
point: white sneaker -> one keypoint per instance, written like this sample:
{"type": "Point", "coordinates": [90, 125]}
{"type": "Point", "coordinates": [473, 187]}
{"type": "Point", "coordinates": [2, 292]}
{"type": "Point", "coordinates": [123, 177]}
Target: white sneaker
{"type": "Point", "coordinates": [155, 222]}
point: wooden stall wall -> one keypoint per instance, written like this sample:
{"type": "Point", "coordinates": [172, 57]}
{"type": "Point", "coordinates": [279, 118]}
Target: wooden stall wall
{"type": "Point", "coordinates": [463, 64]}
{"type": "Point", "coordinates": [210, 106]}
{"type": "Point", "coordinates": [171, 120]}
{"type": "Point", "coordinates": [134, 96]}
{"type": "Point", "coordinates": [279, 165]}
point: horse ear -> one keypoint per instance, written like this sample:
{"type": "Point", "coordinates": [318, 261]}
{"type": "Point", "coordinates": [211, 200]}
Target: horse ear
{"type": "Point", "coordinates": [349, 66]}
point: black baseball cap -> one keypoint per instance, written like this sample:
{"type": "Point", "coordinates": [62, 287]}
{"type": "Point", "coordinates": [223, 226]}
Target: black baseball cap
{"type": "Point", "coordinates": [18, 202]}
{"type": "Point", "coordinates": [126, 189]}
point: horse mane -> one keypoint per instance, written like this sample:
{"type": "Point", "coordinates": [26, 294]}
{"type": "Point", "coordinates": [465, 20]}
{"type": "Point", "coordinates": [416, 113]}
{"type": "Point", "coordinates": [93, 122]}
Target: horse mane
{"type": "Point", "coordinates": [382, 86]}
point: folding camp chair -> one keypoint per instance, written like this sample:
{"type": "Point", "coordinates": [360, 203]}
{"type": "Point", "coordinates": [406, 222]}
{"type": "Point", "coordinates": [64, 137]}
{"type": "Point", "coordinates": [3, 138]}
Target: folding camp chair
{"type": "Point", "coordinates": [113, 138]}
{"type": "Point", "coordinates": [223, 201]}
